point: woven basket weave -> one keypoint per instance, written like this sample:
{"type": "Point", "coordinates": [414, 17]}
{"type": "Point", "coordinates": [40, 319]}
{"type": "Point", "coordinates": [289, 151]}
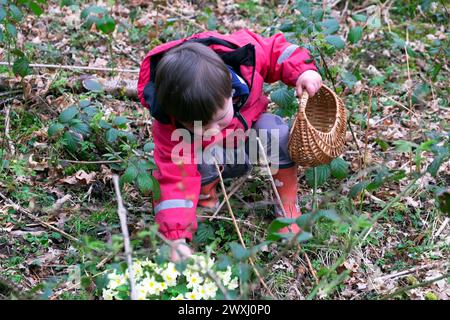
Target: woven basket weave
{"type": "Point", "coordinates": [317, 135]}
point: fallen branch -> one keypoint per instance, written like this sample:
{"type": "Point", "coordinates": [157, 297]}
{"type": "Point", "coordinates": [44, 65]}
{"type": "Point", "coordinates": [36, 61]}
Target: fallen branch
{"type": "Point", "coordinates": [34, 218]}
{"type": "Point", "coordinates": [60, 66]}
{"type": "Point", "coordinates": [122, 212]}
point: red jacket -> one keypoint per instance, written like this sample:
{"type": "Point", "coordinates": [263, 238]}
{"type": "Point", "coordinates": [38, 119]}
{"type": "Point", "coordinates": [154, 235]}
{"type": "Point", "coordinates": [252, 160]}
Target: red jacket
{"type": "Point", "coordinates": [258, 60]}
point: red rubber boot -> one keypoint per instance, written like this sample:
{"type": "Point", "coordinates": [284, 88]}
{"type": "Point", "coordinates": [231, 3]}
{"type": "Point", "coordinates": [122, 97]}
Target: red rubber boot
{"type": "Point", "coordinates": [286, 183]}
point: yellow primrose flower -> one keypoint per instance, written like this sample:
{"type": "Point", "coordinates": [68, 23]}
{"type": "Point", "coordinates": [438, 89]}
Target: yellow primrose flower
{"type": "Point", "coordinates": [151, 285]}
{"type": "Point", "coordinates": [211, 290]}
{"type": "Point", "coordinates": [233, 284]}
{"type": "Point", "coordinates": [108, 294]}
{"type": "Point", "coordinates": [116, 280]}
{"type": "Point", "coordinates": [192, 296]}
{"type": "Point", "coordinates": [194, 280]}
{"type": "Point", "coordinates": [141, 291]}
{"type": "Point", "coordinates": [178, 297]}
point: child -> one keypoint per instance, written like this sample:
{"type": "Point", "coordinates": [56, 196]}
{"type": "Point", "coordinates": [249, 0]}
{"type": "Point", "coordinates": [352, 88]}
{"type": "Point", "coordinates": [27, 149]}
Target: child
{"type": "Point", "coordinates": [218, 80]}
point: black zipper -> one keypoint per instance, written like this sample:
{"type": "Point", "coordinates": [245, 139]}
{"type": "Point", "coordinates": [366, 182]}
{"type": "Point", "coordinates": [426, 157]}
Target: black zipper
{"type": "Point", "coordinates": [237, 113]}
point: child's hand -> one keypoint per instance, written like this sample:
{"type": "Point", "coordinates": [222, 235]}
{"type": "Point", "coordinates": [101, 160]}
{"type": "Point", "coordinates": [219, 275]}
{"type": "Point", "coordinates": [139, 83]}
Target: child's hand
{"type": "Point", "coordinates": [180, 250]}
{"type": "Point", "coordinates": [310, 81]}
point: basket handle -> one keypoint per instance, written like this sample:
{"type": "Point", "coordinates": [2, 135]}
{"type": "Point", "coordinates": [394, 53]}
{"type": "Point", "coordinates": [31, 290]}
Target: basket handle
{"type": "Point", "coordinates": [302, 105]}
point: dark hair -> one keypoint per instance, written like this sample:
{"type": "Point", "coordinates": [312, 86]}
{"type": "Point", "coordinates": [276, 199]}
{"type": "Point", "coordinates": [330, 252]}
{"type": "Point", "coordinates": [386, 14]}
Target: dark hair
{"type": "Point", "coordinates": [192, 82]}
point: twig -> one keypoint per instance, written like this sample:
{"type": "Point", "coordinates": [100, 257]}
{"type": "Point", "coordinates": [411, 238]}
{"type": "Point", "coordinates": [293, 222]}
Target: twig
{"type": "Point", "coordinates": [441, 228]}
{"type": "Point", "coordinates": [296, 235]}
{"type": "Point", "coordinates": [87, 162]}
{"type": "Point", "coordinates": [12, 150]}
{"type": "Point", "coordinates": [405, 272]}
{"type": "Point", "coordinates": [122, 212]}
{"type": "Point", "coordinates": [34, 218]}
{"type": "Point", "coordinates": [183, 17]}
{"type": "Point", "coordinates": [234, 188]}
{"type": "Point", "coordinates": [56, 66]}
{"type": "Point", "coordinates": [229, 219]}
{"type": "Point", "coordinates": [422, 284]}
{"type": "Point", "coordinates": [261, 280]}
{"type": "Point", "coordinates": [400, 105]}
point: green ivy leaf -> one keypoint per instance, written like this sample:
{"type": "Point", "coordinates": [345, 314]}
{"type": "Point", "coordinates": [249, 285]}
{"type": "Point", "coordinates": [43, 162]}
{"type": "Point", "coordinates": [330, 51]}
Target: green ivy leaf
{"type": "Point", "coordinates": [336, 41]}
{"type": "Point", "coordinates": [54, 129]}
{"type": "Point", "coordinates": [349, 79]}
{"type": "Point", "coordinates": [276, 225]}
{"type": "Point", "coordinates": [323, 173]}
{"type": "Point", "coordinates": [104, 125]}
{"type": "Point", "coordinates": [339, 168]}
{"type": "Point", "coordinates": [145, 183]}
{"type": "Point", "coordinates": [84, 103]}
{"type": "Point", "coordinates": [68, 114]}
{"type": "Point", "coordinates": [355, 34]}
{"type": "Point", "coordinates": [21, 66]}
{"type": "Point", "coordinates": [404, 146]}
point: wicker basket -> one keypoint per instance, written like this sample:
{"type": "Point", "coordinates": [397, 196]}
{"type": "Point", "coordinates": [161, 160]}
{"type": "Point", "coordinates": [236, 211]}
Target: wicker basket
{"type": "Point", "coordinates": [317, 135]}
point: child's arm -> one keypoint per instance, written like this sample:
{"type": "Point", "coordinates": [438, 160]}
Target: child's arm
{"type": "Point", "coordinates": [180, 187]}
{"type": "Point", "coordinates": [281, 60]}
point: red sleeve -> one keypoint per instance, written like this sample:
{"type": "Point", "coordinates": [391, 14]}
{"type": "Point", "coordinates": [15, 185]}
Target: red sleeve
{"type": "Point", "coordinates": [179, 181]}
{"type": "Point", "coordinates": [282, 60]}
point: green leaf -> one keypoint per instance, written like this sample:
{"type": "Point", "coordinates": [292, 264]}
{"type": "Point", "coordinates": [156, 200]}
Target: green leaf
{"type": "Point", "coordinates": [433, 168]}
{"type": "Point", "coordinates": [35, 8]}
{"type": "Point", "coordinates": [145, 183]}
{"type": "Point", "coordinates": [16, 13]}
{"type": "Point", "coordinates": [357, 188]}
{"type": "Point", "coordinates": [278, 224]}
{"type": "Point", "coordinates": [111, 135]}
{"type": "Point", "coordinates": [106, 24]}
{"type": "Point", "coordinates": [349, 79]}
{"type": "Point", "coordinates": [144, 165]}
{"type": "Point", "coordinates": [149, 147]}
{"type": "Point", "coordinates": [355, 34]}
{"type": "Point", "coordinates": [11, 29]}
{"type": "Point", "coordinates": [156, 189]}
{"type": "Point", "coordinates": [283, 97]}
{"type": "Point", "coordinates": [339, 168]}
{"type": "Point", "coordinates": [104, 125]}
{"type": "Point", "coordinates": [68, 114]}
{"type": "Point", "coordinates": [304, 236]}
{"type": "Point", "coordinates": [54, 129]}
{"type": "Point", "coordinates": [121, 121]}
{"type": "Point", "coordinates": [92, 85]}
{"type": "Point", "coordinates": [359, 17]}
{"type": "Point", "coordinates": [2, 13]}
{"type": "Point", "coordinates": [21, 67]}
{"type": "Point", "coordinates": [81, 128]}
{"type": "Point", "coordinates": [330, 26]}
{"type": "Point", "coordinates": [323, 173]}
{"type": "Point", "coordinates": [130, 174]}
{"type": "Point", "coordinates": [1, 35]}
{"type": "Point", "coordinates": [205, 233]}
{"type": "Point", "coordinates": [404, 146]}
{"type": "Point", "coordinates": [239, 252]}
{"type": "Point", "coordinates": [84, 103]}
{"type": "Point", "coordinates": [420, 92]}
{"type": "Point", "coordinates": [330, 214]}
{"type": "Point", "coordinates": [92, 9]}
{"type": "Point", "coordinates": [336, 41]}
{"type": "Point", "coordinates": [71, 141]}
{"type": "Point", "coordinates": [374, 21]}
{"type": "Point", "coordinates": [443, 197]}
